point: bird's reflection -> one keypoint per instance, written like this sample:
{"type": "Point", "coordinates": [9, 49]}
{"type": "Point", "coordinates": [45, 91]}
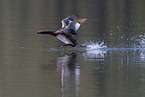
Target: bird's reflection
{"type": "Point", "coordinates": [68, 68]}
{"type": "Point", "coordinates": [70, 73]}
{"type": "Point", "coordinates": [95, 55]}
{"type": "Point", "coordinates": [68, 60]}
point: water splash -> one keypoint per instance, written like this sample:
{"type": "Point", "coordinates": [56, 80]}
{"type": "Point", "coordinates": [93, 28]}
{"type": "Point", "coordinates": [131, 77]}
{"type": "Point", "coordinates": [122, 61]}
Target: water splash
{"type": "Point", "coordinates": [93, 45]}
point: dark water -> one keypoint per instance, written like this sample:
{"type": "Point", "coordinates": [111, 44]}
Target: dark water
{"type": "Point", "coordinates": [32, 65]}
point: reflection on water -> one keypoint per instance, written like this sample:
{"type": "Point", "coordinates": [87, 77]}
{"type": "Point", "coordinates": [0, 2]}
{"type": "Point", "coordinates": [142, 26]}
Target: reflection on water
{"type": "Point", "coordinates": [102, 73]}
{"type": "Point", "coordinates": [70, 73]}
{"type": "Point", "coordinates": [95, 54]}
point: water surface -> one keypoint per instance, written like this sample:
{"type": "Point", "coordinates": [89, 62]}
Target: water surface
{"type": "Point", "coordinates": [32, 65]}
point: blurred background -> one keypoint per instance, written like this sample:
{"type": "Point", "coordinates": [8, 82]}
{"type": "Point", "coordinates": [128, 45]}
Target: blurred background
{"type": "Point", "coordinates": [118, 23]}
{"type": "Point", "coordinates": [32, 65]}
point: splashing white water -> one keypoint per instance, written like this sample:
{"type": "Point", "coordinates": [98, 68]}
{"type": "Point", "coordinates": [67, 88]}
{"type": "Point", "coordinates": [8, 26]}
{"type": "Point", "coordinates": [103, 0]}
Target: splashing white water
{"type": "Point", "coordinates": [91, 45]}
{"type": "Point", "coordinates": [94, 45]}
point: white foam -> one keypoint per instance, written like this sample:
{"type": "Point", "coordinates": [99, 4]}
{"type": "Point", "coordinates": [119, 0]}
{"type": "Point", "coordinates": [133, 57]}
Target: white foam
{"type": "Point", "coordinates": [94, 45]}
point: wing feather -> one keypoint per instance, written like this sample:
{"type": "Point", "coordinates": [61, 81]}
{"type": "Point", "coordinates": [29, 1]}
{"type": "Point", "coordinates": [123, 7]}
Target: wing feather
{"type": "Point", "coordinates": [75, 25]}
{"type": "Point", "coordinates": [71, 24]}
{"type": "Point", "coordinates": [64, 39]}
{"type": "Point", "coordinates": [66, 21]}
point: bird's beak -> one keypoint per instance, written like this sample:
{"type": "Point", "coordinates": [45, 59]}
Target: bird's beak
{"type": "Point", "coordinates": [38, 32]}
{"type": "Point", "coordinates": [43, 32]}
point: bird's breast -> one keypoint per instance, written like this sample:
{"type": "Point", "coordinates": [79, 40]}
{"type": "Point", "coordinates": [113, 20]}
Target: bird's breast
{"type": "Point", "coordinates": [64, 39]}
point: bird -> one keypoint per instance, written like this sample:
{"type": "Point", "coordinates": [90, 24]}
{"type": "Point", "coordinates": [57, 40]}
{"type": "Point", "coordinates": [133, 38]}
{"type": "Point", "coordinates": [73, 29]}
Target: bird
{"type": "Point", "coordinates": [66, 33]}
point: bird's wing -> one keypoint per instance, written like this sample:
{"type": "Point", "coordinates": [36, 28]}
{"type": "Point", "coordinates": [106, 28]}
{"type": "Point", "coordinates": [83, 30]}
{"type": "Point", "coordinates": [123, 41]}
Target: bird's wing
{"type": "Point", "coordinates": [66, 38]}
{"type": "Point", "coordinates": [74, 25]}
{"type": "Point", "coordinates": [66, 21]}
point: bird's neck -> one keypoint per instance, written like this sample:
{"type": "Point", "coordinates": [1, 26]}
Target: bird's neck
{"type": "Point", "coordinates": [46, 32]}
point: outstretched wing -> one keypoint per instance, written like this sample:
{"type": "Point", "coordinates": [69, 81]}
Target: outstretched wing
{"type": "Point", "coordinates": [65, 22]}
{"type": "Point", "coordinates": [71, 24]}
{"type": "Point", "coordinates": [75, 25]}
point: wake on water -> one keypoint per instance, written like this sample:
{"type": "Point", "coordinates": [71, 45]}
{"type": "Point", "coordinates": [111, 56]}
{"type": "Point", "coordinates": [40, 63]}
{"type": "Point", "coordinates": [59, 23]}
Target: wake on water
{"type": "Point", "coordinates": [93, 50]}
{"type": "Point", "coordinates": [93, 46]}
{"type": "Point", "coordinates": [88, 46]}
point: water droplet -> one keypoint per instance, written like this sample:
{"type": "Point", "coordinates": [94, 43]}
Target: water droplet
{"type": "Point", "coordinates": [22, 47]}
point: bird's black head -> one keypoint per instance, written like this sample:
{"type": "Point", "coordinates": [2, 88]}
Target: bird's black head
{"type": "Point", "coordinates": [44, 32]}
{"type": "Point", "coordinates": [47, 32]}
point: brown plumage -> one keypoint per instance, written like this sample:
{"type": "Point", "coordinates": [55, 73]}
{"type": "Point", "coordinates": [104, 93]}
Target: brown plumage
{"type": "Point", "coordinates": [69, 27]}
